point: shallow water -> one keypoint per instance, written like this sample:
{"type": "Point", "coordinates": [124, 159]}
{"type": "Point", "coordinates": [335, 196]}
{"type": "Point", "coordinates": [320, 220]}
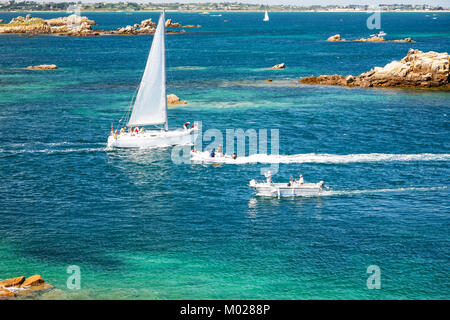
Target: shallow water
{"type": "Point", "coordinates": [141, 227]}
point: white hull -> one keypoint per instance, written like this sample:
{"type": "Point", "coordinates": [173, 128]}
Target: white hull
{"type": "Point", "coordinates": [284, 190]}
{"type": "Point", "coordinates": [153, 139]}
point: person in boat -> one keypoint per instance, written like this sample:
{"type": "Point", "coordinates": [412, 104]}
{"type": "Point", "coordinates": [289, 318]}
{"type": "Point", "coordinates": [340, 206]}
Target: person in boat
{"type": "Point", "coordinates": [213, 153]}
{"type": "Point", "coordinates": [122, 131]}
{"type": "Point", "coordinates": [112, 131]}
{"type": "Point", "coordinates": [220, 150]}
{"type": "Point", "coordinates": [268, 176]}
{"type": "Point", "coordinates": [291, 181]}
{"type": "Point", "coordinates": [301, 181]}
{"type": "Point", "coordinates": [142, 130]}
{"type": "Point", "coordinates": [234, 156]}
{"type": "Point", "coordinates": [116, 133]}
{"type": "Point", "coordinates": [186, 125]}
{"type": "Point", "coordinates": [136, 130]}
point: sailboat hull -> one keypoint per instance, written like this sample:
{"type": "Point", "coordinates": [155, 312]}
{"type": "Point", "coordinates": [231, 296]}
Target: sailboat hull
{"type": "Point", "coordinates": [153, 139]}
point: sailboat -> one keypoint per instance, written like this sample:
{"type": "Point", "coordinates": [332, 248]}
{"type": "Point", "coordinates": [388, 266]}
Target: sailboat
{"type": "Point", "coordinates": [150, 106]}
{"type": "Point", "coordinates": [266, 16]}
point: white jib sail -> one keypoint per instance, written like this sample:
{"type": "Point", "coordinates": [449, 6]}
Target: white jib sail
{"type": "Point", "coordinates": [266, 16]}
{"type": "Point", "coordinates": [150, 106]}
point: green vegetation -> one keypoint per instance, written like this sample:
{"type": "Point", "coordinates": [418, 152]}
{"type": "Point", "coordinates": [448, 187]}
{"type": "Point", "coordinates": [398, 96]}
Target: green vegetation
{"type": "Point", "coordinates": [23, 22]}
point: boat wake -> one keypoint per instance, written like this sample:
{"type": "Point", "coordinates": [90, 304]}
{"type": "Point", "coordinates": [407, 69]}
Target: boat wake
{"type": "Point", "coordinates": [321, 158]}
{"type": "Point", "coordinates": [374, 191]}
{"type": "Point", "coordinates": [51, 148]}
{"type": "Point", "coordinates": [331, 193]}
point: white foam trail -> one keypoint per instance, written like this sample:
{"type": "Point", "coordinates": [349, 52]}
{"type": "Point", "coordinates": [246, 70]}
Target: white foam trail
{"type": "Point", "coordinates": [50, 151]}
{"type": "Point", "coordinates": [350, 192]}
{"type": "Point", "coordinates": [322, 158]}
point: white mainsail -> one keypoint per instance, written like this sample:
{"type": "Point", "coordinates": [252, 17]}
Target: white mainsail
{"type": "Point", "coordinates": [150, 106]}
{"type": "Point", "coordinates": [266, 16]}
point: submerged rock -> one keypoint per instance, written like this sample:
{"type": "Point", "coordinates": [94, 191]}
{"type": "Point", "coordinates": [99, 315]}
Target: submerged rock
{"type": "Point", "coordinates": [44, 67]}
{"type": "Point", "coordinates": [418, 69]}
{"type": "Point", "coordinates": [173, 100]}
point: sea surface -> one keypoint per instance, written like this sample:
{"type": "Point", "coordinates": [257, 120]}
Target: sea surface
{"type": "Point", "coordinates": [140, 226]}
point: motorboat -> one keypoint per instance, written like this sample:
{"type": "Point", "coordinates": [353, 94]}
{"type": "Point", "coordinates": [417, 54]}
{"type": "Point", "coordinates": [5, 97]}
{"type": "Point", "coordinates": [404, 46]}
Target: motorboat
{"type": "Point", "coordinates": [294, 188]}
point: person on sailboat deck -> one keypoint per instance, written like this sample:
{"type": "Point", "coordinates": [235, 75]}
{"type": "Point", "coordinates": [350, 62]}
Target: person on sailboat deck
{"type": "Point", "coordinates": [301, 181]}
{"type": "Point", "coordinates": [136, 130]}
{"type": "Point", "coordinates": [219, 150]}
{"type": "Point", "coordinates": [142, 130]}
{"type": "Point", "coordinates": [122, 130]}
{"type": "Point", "coordinates": [186, 125]}
{"type": "Point", "coordinates": [212, 154]}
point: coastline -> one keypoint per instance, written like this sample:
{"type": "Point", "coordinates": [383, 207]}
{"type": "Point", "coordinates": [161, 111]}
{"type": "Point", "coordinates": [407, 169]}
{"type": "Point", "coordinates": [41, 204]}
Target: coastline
{"type": "Point", "coordinates": [241, 11]}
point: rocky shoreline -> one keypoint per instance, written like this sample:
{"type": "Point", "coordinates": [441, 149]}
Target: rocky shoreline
{"type": "Point", "coordinates": [23, 287]}
{"type": "Point", "coordinates": [417, 70]}
{"type": "Point", "coordinates": [77, 26]}
{"type": "Point", "coordinates": [337, 38]}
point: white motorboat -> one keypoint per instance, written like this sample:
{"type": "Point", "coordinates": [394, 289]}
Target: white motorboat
{"type": "Point", "coordinates": [379, 34]}
{"type": "Point", "coordinates": [150, 106]}
{"type": "Point", "coordinates": [266, 16]}
{"type": "Point", "coordinates": [293, 188]}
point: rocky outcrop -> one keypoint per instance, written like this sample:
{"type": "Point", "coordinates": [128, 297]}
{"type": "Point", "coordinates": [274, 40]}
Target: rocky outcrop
{"type": "Point", "coordinates": [337, 38]}
{"type": "Point", "coordinates": [417, 70]}
{"type": "Point", "coordinates": [371, 39]}
{"type": "Point", "coordinates": [13, 282]}
{"type": "Point", "coordinates": [71, 20]}
{"type": "Point", "coordinates": [77, 26]}
{"type": "Point", "coordinates": [147, 23]}
{"type": "Point", "coordinates": [279, 66]}
{"type": "Point", "coordinates": [173, 100]}
{"type": "Point", "coordinates": [404, 40]}
{"type": "Point", "coordinates": [21, 286]}
{"type": "Point", "coordinates": [44, 67]}
{"type": "Point", "coordinates": [170, 24]}
{"type": "Point", "coordinates": [27, 26]}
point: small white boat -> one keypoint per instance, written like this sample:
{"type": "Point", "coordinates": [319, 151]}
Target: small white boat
{"type": "Point", "coordinates": [291, 189]}
{"type": "Point", "coordinates": [150, 106]}
{"type": "Point", "coordinates": [266, 16]}
{"type": "Point", "coordinates": [379, 34]}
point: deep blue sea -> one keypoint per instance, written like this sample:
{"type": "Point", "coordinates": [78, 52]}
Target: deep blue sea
{"type": "Point", "coordinates": [141, 227]}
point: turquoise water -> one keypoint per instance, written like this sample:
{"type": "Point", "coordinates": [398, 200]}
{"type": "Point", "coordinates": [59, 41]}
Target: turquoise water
{"type": "Point", "coordinates": [141, 227]}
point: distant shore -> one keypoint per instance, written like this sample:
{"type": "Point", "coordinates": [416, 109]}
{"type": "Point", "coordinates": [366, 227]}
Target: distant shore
{"type": "Point", "coordinates": [240, 11]}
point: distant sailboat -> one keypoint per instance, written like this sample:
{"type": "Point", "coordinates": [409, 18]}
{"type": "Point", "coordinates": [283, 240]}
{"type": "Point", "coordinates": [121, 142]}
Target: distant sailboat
{"type": "Point", "coordinates": [150, 106]}
{"type": "Point", "coordinates": [266, 16]}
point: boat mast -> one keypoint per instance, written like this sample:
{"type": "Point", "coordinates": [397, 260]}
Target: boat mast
{"type": "Point", "coordinates": [166, 124]}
